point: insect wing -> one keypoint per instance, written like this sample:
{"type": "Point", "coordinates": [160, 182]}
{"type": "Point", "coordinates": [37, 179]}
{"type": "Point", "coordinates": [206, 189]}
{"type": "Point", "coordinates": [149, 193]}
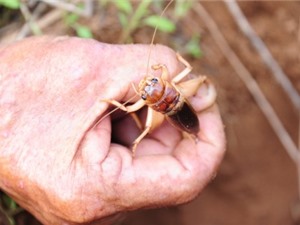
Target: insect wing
{"type": "Point", "coordinates": [185, 119]}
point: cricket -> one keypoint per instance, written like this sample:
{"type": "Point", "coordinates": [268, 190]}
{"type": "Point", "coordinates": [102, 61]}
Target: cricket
{"type": "Point", "coordinates": [166, 98]}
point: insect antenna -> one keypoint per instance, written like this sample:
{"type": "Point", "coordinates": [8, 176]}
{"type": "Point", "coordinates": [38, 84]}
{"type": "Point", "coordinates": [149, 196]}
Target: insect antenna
{"type": "Point", "coordinates": [112, 111]}
{"type": "Point", "coordinates": [148, 62]}
{"type": "Point", "coordinates": [154, 34]}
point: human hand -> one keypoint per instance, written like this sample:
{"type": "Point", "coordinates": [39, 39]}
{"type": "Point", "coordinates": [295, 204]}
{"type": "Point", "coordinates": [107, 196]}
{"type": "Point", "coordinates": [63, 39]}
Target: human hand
{"type": "Point", "coordinates": [63, 170]}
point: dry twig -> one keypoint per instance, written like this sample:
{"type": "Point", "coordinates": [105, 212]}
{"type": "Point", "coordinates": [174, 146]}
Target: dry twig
{"type": "Point", "coordinates": [270, 62]}
{"type": "Point", "coordinates": [250, 83]}
{"type": "Point", "coordinates": [48, 19]}
{"type": "Point", "coordinates": [30, 18]}
{"type": "Point", "coordinates": [85, 11]}
{"type": "Point", "coordinates": [264, 52]}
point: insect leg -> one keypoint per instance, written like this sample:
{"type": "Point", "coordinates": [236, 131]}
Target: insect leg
{"type": "Point", "coordinates": [189, 88]}
{"type": "Point", "coordinates": [148, 126]}
{"type": "Point", "coordinates": [115, 103]}
{"type": "Point", "coordinates": [130, 109]}
{"type": "Point", "coordinates": [185, 72]}
{"type": "Point", "coordinates": [178, 77]}
{"type": "Point", "coordinates": [165, 73]}
{"type": "Point", "coordinates": [137, 120]}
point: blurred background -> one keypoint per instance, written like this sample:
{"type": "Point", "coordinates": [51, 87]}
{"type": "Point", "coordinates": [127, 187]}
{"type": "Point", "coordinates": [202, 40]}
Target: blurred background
{"type": "Point", "coordinates": [251, 52]}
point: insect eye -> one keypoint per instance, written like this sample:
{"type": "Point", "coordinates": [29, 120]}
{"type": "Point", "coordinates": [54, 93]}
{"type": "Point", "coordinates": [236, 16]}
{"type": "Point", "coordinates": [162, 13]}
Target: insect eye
{"type": "Point", "coordinates": [154, 80]}
{"type": "Point", "coordinates": [144, 96]}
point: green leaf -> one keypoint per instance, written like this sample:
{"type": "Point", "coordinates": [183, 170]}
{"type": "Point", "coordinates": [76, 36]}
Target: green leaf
{"type": "Point", "coordinates": [182, 7]}
{"type": "Point", "coordinates": [135, 19]}
{"type": "Point", "coordinates": [193, 47]}
{"type": "Point", "coordinates": [124, 5]}
{"type": "Point", "coordinates": [162, 23]}
{"type": "Point", "coordinates": [12, 4]}
{"type": "Point", "coordinates": [139, 13]}
{"type": "Point", "coordinates": [141, 10]}
{"type": "Point", "coordinates": [71, 18]}
{"type": "Point", "coordinates": [83, 31]}
{"type": "Point", "coordinates": [9, 203]}
{"type": "Point", "coordinates": [123, 19]}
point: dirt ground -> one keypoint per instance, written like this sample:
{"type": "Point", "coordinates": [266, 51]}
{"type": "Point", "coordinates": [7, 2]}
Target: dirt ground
{"type": "Point", "coordinates": [257, 181]}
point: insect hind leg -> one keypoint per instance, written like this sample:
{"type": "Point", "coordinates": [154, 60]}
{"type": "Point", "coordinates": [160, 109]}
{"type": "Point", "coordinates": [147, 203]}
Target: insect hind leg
{"type": "Point", "coordinates": [185, 72]}
{"type": "Point", "coordinates": [165, 73]}
{"type": "Point", "coordinates": [178, 77]}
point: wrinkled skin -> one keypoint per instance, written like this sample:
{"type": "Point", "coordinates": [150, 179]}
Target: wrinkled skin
{"type": "Point", "coordinates": [63, 170]}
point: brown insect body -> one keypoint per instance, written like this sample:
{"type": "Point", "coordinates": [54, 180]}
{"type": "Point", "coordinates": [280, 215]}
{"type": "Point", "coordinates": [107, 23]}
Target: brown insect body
{"type": "Point", "coordinates": [165, 98]}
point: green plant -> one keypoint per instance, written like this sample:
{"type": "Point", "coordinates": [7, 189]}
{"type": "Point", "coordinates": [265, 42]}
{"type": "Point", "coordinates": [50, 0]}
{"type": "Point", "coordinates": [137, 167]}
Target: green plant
{"type": "Point", "coordinates": [181, 8]}
{"type": "Point", "coordinates": [193, 47]}
{"type": "Point", "coordinates": [8, 208]}
{"type": "Point", "coordinates": [12, 4]}
{"type": "Point", "coordinates": [132, 19]}
{"type": "Point", "coordinates": [71, 20]}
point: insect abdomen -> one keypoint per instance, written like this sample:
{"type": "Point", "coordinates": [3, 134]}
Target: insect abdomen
{"type": "Point", "coordinates": [185, 119]}
{"type": "Point", "coordinates": [166, 99]}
